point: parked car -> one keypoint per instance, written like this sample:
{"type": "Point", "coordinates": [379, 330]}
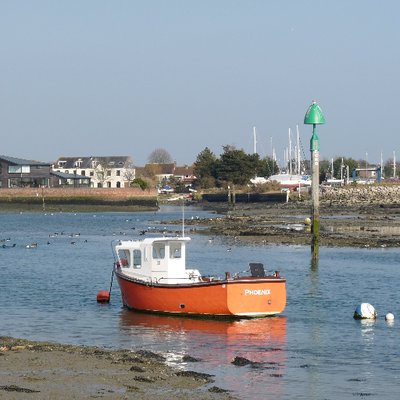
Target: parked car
{"type": "Point", "coordinates": [166, 189]}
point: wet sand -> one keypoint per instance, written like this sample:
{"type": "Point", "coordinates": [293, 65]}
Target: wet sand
{"type": "Point", "coordinates": [38, 370]}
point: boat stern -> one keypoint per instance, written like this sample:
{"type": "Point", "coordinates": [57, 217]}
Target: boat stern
{"type": "Point", "coordinates": [257, 298]}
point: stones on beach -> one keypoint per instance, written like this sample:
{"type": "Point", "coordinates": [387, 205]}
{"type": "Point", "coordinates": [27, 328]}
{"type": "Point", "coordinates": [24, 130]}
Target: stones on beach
{"type": "Point", "coordinates": [198, 376]}
{"type": "Point", "coordinates": [241, 361]}
{"type": "Point", "coordinates": [15, 388]}
{"type": "Point", "coordinates": [361, 194]}
{"type": "Point", "coordinates": [216, 389]}
{"type": "Point", "coordinates": [136, 368]}
{"type": "Point", "coordinates": [188, 358]}
{"type": "Point", "coordinates": [3, 349]}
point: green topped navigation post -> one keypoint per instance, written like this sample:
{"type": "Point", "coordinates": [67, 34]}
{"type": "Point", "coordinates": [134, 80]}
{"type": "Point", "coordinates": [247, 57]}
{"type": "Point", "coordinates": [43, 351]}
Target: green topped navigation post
{"type": "Point", "coordinates": [314, 117]}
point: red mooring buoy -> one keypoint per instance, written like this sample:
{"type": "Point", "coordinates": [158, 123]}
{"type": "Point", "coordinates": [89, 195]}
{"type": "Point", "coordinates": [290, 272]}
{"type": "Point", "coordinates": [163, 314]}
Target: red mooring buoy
{"type": "Point", "coordinates": [103, 296]}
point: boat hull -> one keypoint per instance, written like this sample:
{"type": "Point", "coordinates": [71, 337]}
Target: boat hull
{"type": "Point", "coordinates": [245, 297]}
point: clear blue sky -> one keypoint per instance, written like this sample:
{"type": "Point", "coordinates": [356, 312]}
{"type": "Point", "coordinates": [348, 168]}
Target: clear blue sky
{"type": "Point", "coordinates": [96, 77]}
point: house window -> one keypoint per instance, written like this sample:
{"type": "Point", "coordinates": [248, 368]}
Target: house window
{"type": "Point", "coordinates": [108, 172]}
{"type": "Point", "coordinates": [19, 169]}
{"type": "Point", "coordinates": [118, 172]}
{"type": "Point", "coordinates": [109, 184]}
{"type": "Point", "coordinates": [83, 173]}
{"type": "Point", "coordinates": [91, 173]}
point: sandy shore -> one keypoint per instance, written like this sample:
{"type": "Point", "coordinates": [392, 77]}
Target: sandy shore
{"type": "Point", "coordinates": [37, 370]}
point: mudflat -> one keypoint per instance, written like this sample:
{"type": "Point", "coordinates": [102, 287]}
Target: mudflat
{"type": "Point", "coordinates": [349, 225]}
{"type": "Point", "coordinates": [41, 370]}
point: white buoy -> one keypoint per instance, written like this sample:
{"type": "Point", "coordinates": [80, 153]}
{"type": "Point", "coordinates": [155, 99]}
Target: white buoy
{"type": "Point", "coordinates": [307, 221]}
{"type": "Point", "coordinates": [389, 317]}
{"type": "Point", "coordinates": [365, 311]}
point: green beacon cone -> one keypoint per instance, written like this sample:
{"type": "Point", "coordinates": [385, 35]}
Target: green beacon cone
{"type": "Point", "coordinates": [314, 115]}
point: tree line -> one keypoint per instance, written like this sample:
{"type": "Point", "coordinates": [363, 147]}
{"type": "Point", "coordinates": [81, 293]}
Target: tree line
{"type": "Point", "coordinates": [234, 166]}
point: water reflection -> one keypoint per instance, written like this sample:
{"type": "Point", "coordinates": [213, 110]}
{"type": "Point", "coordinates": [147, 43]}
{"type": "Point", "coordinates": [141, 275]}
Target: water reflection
{"type": "Point", "coordinates": [314, 281]}
{"type": "Point", "coordinates": [314, 264]}
{"type": "Point", "coordinates": [368, 330]}
{"type": "Point", "coordinates": [259, 345]}
{"type": "Point", "coordinates": [252, 337]}
{"type": "Point", "coordinates": [390, 323]}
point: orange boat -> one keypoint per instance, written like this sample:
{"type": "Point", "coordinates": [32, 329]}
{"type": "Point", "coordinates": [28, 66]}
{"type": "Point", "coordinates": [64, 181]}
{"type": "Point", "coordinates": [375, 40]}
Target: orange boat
{"type": "Point", "coordinates": [153, 277]}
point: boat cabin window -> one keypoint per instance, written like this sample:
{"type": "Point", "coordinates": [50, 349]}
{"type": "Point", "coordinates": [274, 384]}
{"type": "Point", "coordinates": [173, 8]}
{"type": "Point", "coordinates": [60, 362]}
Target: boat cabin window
{"type": "Point", "coordinates": [158, 250]}
{"type": "Point", "coordinates": [124, 257]}
{"type": "Point", "coordinates": [137, 258]}
{"type": "Point", "coordinates": [175, 250]}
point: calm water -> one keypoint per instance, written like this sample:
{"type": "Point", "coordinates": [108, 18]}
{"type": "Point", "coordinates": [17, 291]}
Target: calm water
{"type": "Point", "coordinates": [315, 350]}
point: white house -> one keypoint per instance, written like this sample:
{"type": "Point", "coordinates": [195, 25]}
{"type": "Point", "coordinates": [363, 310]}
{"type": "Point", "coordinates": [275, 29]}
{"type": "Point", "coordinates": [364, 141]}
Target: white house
{"type": "Point", "coordinates": [104, 172]}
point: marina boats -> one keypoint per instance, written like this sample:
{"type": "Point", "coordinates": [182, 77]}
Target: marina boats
{"type": "Point", "coordinates": [291, 181]}
{"type": "Point", "coordinates": [153, 277]}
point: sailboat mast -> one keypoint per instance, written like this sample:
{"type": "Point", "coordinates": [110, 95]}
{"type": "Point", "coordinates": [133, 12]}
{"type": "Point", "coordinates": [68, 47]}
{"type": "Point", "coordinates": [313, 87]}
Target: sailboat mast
{"type": "Point", "coordinates": [290, 154]}
{"type": "Point", "coordinates": [341, 171]}
{"type": "Point", "coordinates": [298, 151]}
{"type": "Point", "coordinates": [394, 164]}
{"type": "Point", "coordinates": [272, 149]}
{"type": "Point", "coordinates": [254, 140]}
{"type": "Point", "coordinates": [183, 218]}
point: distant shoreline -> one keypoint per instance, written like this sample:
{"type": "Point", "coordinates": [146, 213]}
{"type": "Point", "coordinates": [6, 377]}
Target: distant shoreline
{"type": "Point", "coordinates": [77, 200]}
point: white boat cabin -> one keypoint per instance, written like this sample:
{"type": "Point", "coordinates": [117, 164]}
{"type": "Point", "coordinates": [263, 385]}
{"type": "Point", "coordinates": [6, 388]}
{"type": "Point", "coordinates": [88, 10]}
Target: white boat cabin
{"type": "Point", "coordinates": [160, 260]}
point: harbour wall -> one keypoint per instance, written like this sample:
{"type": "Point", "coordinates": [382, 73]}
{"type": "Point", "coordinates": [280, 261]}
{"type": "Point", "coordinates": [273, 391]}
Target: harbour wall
{"type": "Point", "coordinates": [47, 198]}
{"type": "Point", "coordinates": [366, 194]}
{"type": "Point", "coordinates": [272, 197]}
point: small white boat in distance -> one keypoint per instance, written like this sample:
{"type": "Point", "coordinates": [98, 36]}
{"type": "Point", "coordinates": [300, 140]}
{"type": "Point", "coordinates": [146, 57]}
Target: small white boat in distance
{"type": "Point", "coordinates": [290, 181]}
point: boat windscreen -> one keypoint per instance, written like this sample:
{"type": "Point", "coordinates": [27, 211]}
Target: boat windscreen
{"type": "Point", "coordinates": [175, 250]}
{"type": "Point", "coordinates": [124, 256]}
{"type": "Point", "coordinates": [158, 250]}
